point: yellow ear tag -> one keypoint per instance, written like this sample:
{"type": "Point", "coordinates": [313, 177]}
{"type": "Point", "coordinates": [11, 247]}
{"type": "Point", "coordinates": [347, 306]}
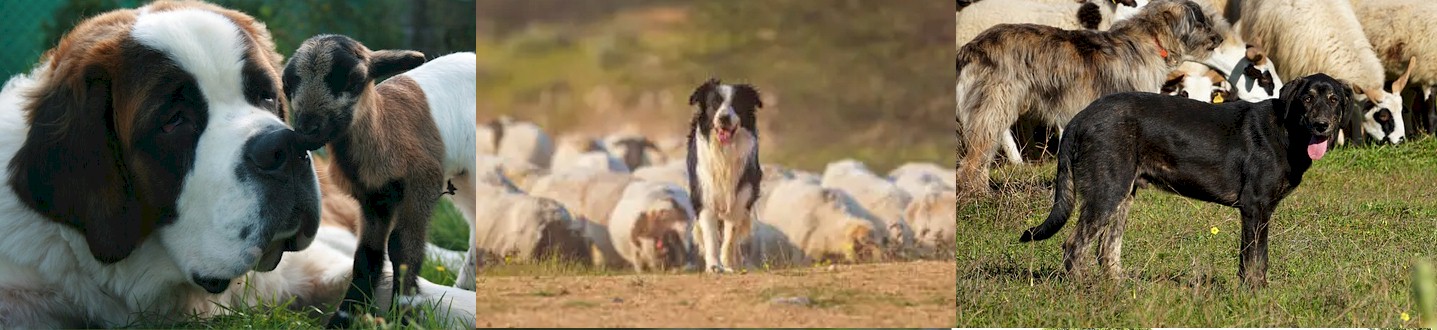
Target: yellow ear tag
{"type": "Point", "coordinates": [1217, 99]}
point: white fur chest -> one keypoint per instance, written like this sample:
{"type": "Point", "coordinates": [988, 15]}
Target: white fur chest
{"type": "Point", "coordinates": [719, 169]}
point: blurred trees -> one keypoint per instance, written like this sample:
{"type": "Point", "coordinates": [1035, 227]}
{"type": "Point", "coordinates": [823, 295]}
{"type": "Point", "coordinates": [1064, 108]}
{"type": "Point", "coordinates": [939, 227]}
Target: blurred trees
{"type": "Point", "coordinates": [843, 78]}
{"type": "Point", "coordinates": [435, 27]}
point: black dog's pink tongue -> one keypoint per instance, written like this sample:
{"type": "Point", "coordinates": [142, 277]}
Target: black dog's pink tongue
{"type": "Point", "coordinates": [1316, 147]}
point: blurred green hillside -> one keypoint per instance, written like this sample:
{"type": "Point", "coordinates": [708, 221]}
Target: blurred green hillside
{"type": "Point", "coordinates": [435, 27]}
{"type": "Point", "coordinates": [865, 79]}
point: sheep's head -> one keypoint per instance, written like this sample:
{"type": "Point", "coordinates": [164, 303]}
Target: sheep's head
{"type": "Point", "coordinates": [329, 76]}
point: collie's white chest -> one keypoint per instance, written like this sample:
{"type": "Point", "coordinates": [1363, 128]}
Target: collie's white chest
{"type": "Point", "coordinates": [720, 167]}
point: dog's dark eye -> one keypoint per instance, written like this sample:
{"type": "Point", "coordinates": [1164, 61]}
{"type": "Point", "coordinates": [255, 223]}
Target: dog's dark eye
{"type": "Point", "coordinates": [1332, 99]}
{"type": "Point", "coordinates": [173, 123]}
{"type": "Point", "coordinates": [1307, 99]}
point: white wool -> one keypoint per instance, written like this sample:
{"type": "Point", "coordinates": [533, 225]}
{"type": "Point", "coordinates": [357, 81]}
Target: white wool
{"type": "Point", "coordinates": [1402, 24]}
{"type": "Point", "coordinates": [1307, 37]}
{"type": "Point", "coordinates": [880, 197]}
{"type": "Point", "coordinates": [527, 142]}
{"type": "Point", "coordinates": [642, 197]}
{"type": "Point", "coordinates": [590, 196]}
{"type": "Point", "coordinates": [980, 16]}
{"type": "Point", "coordinates": [817, 221]}
{"type": "Point", "coordinates": [933, 214]}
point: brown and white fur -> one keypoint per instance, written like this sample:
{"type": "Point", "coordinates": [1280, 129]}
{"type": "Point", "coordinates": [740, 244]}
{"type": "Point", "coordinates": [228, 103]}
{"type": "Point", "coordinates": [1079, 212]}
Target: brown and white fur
{"type": "Point", "coordinates": [1014, 69]}
{"type": "Point", "coordinates": [135, 187]}
{"type": "Point", "coordinates": [650, 225]}
{"type": "Point", "coordinates": [723, 169]}
{"type": "Point", "coordinates": [394, 146]}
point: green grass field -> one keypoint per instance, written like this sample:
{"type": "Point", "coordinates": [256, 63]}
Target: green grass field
{"type": "Point", "coordinates": [1339, 253]}
{"type": "Point", "coordinates": [446, 229]}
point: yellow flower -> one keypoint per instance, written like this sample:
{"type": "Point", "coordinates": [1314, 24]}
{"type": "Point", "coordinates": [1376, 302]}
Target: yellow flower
{"type": "Point", "coordinates": [1406, 317]}
{"type": "Point", "coordinates": [439, 268]}
{"type": "Point", "coordinates": [1213, 230]}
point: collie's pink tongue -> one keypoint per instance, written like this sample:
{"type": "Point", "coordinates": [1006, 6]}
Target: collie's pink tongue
{"type": "Point", "coordinates": [1316, 148]}
{"type": "Point", "coordinates": [724, 135]}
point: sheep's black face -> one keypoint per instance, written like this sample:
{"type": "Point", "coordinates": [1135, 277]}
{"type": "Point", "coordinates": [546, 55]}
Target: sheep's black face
{"type": "Point", "coordinates": [329, 76]}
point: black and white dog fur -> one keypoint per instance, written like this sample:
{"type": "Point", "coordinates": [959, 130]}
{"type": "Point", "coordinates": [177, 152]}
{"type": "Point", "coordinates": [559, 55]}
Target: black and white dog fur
{"type": "Point", "coordinates": [1241, 154]}
{"type": "Point", "coordinates": [723, 169]}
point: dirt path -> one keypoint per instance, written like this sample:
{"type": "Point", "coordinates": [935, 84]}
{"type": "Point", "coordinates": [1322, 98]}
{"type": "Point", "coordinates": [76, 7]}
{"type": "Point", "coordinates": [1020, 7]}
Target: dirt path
{"type": "Point", "coordinates": [907, 294]}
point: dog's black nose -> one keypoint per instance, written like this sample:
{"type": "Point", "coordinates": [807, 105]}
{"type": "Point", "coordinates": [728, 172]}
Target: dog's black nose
{"type": "Point", "coordinates": [270, 151]}
{"type": "Point", "coordinates": [210, 284]}
{"type": "Point", "coordinates": [725, 120]}
{"type": "Point", "coordinates": [1320, 126]}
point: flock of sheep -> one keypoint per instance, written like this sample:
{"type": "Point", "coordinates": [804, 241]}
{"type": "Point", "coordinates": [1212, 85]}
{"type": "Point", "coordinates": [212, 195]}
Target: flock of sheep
{"type": "Point", "coordinates": [621, 202]}
{"type": "Point", "coordinates": [1365, 43]}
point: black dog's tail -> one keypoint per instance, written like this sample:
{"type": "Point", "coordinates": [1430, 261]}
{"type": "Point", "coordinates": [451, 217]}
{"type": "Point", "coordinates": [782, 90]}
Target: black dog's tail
{"type": "Point", "coordinates": [1063, 197]}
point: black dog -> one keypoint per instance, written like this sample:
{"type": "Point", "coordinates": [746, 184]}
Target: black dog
{"type": "Point", "coordinates": [1245, 155]}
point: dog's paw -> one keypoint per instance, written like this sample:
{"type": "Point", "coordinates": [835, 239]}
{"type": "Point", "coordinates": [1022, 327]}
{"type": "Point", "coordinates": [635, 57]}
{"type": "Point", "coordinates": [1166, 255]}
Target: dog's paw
{"type": "Point", "coordinates": [719, 269]}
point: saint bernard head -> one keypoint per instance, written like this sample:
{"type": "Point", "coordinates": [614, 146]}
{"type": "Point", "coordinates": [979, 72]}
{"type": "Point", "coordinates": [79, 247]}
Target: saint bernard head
{"type": "Point", "coordinates": [164, 124]}
{"type": "Point", "coordinates": [326, 78]}
{"type": "Point", "coordinates": [725, 113]}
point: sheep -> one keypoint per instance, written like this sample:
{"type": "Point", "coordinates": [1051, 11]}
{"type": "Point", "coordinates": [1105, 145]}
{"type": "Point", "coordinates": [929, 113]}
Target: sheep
{"type": "Point", "coordinates": [1307, 37]}
{"type": "Point", "coordinates": [1197, 82]}
{"type": "Point", "coordinates": [672, 173]}
{"type": "Point", "coordinates": [590, 195]}
{"type": "Point", "coordinates": [1065, 14]}
{"type": "Point", "coordinates": [880, 197]}
{"type": "Point", "coordinates": [520, 174]}
{"type": "Point", "coordinates": [649, 226]}
{"type": "Point", "coordinates": [635, 150]}
{"type": "Point", "coordinates": [933, 215]}
{"type": "Point", "coordinates": [394, 145]}
{"type": "Point", "coordinates": [1400, 30]}
{"type": "Point", "coordinates": [520, 227]}
{"type": "Point", "coordinates": [518, 140]}
{"type": "Point", "coordinates": [767, 247]}
{"type": "Point", "coordinates": [824, 223]}
{"type": "Point", "coordinates": [911, 177]}
{"type": "Point", "coordinates": [1243, 65]}
{"type": "Point", "coordinates": [570, 147]}
{"type": "Point", "coordinates": [597, 159]}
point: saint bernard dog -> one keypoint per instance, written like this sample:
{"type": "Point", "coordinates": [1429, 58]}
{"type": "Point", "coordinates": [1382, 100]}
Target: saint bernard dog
{"type": "Point", "coordinates": [149, 177]}
{"type": "Point", "coordinates": [723, 170]}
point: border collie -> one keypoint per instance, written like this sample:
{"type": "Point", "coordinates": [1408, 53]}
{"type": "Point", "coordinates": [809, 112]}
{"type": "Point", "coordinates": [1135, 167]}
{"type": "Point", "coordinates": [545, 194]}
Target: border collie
{"type": "Point", "coordinates": [723, 169]}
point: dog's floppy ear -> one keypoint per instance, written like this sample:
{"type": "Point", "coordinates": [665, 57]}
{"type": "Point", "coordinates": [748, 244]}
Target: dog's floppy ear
{"type": "Point", "coordinates": [747, 92]}
{"type": "Point", "coordinates": [1129, 3]}
{"type": "Point", "coordinates": [384, 63]}
{"type": "Point", "coordinates": [1288, 96]}
{"type": "Point", "coordinates": [702, 91]}
{"type": "Point", "coordinates": [70, 168]}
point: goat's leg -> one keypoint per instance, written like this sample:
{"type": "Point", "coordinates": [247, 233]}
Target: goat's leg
{"type": "Point", "coordinates": [368, 263]}
{"type": "Point", "coordinates": [406, 241]}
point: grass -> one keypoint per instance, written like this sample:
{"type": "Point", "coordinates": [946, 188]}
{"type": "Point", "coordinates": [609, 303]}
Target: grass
{"type": "Point", "coordinates": [1340, 250]}
{"type": "Point", "coordinates": [447, 229]}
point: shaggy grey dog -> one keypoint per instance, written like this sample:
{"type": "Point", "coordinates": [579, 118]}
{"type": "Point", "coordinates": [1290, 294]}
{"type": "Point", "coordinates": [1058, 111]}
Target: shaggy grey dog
{"type": "Point", "coordinates": [1013, 69]}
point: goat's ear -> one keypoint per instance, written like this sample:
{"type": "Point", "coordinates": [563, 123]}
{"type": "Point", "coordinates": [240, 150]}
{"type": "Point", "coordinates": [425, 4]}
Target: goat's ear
{"type": "Point", "coordinates": [746, 91]}
{"type": "Point", "coordinates": [384, 63]}
{"type": "Point", "coordinates": [702, 91]}
{"type": "Point", "coordinates": [70, 168]}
